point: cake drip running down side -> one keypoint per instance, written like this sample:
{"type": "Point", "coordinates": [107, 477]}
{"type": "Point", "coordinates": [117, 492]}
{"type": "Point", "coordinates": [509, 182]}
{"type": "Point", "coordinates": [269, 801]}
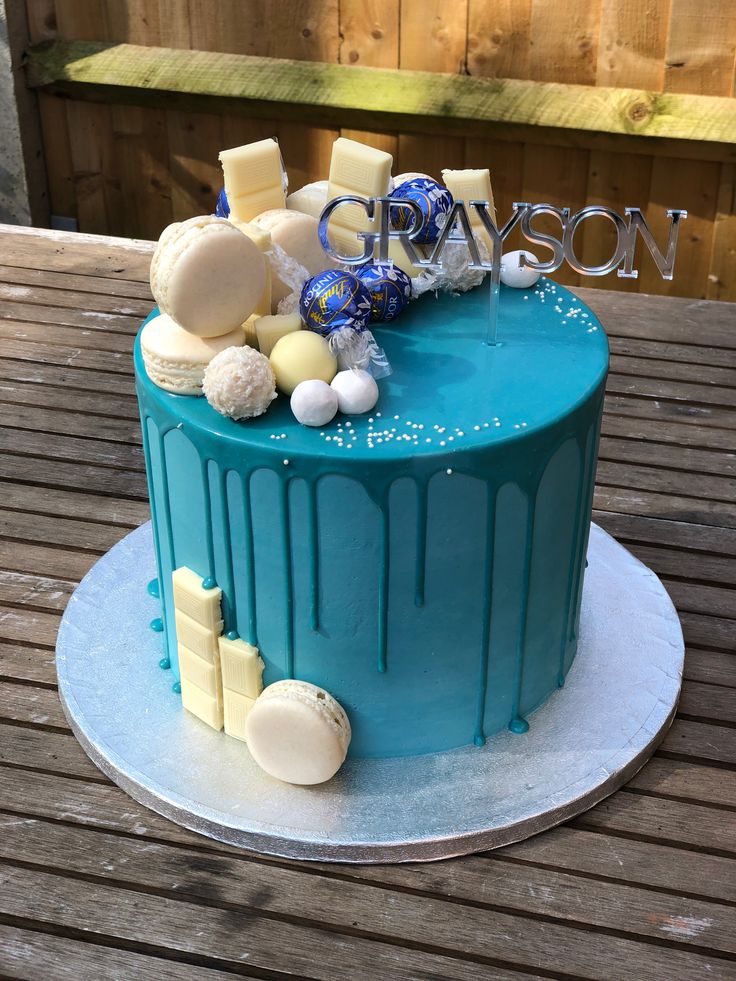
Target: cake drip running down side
{"type": "Point", "coordinates": [431, 583]}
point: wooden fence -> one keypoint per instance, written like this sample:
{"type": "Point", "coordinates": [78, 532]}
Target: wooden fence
{"type": "Point", "coordinates": [127, 165]}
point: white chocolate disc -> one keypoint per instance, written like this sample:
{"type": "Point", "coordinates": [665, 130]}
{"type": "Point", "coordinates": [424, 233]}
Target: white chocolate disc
{"type": "Point", "coordinates": [512, 274]}
{"type": "Point", "coordinates": [298, 733]}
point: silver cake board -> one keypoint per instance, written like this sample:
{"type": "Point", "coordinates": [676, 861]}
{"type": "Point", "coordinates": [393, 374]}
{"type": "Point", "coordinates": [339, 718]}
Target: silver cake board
{"type": "Point", "coordinates": [587, 740]}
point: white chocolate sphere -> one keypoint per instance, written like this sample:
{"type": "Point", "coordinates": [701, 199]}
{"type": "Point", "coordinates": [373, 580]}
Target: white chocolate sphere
{"type": "Point", "coordinates": [520, 277]}
{"type": "Point", "coordinates": [239, 383]}
{"type": "Point", "coordinates": [301, 356]}
{"type": "Point", "coordinates": [357, 391]}
{"type": "Point", "coordinates": [314, 403]}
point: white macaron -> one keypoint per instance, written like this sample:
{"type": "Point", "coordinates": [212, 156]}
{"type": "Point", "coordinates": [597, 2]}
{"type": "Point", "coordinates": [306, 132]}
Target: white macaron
{"type": "Point", "coordinates": [297, 234]}
{"type": "Point", "coordinates": [310, 199]}
{"type": "Point", "coordinates": [207, 275]}
{"type": "Point", "coordinates": [175, 360]}
{"type": "Point", "coordinates": [298, 732]}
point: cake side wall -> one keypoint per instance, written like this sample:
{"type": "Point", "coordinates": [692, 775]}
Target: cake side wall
{"type": "Point", "coordinates": [461, 587]}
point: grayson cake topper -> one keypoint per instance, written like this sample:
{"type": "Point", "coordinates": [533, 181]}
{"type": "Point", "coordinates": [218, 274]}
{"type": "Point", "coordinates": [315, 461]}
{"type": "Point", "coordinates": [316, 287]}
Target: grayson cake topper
{"type": "Point", "coordinates": [457, 228]}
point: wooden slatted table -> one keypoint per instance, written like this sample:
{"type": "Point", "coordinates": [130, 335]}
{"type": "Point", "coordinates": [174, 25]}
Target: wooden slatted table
{"type": "Point", "coordinates": [94, 886]}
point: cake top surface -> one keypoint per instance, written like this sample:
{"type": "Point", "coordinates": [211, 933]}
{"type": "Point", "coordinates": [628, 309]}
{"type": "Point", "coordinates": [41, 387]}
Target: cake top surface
{"type": "Point", "coordinates": [449, 392]}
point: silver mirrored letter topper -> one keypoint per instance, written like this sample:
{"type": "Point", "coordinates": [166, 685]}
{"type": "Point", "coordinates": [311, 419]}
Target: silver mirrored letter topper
{"type": "Point", "coordinates": [457, 228]}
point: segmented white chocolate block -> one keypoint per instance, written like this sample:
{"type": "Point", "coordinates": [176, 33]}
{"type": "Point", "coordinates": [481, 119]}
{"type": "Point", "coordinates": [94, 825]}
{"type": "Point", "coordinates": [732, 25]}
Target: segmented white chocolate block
{"type": "Point", "coordinates": [355, 169]}
{"type": "Point", "coordinates": [242, 667]}
{"type": "Point", "coordinates": [191, 598]}
{"type": "Point", "coordinates": [201, 672]}
{"type": "Point", "coordinates": [202, 641]}
{"type": "Point", "coordinates": [236, 710]}
{"type": "Point", "coordinates": [472, 185]}
{"type": "Point", "coordinates": [253, 178]}
{"type": "Point", "coordinates": [206, 707]}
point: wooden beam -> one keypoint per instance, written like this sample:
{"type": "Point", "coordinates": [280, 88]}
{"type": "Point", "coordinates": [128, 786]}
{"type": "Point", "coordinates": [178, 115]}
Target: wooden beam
{"type": "Point", "coordinates": [382, 99]}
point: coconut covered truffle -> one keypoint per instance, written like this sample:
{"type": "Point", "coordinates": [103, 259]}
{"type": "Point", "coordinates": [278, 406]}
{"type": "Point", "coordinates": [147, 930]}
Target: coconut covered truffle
{"type": "Point", "coordinates": [239, 383]}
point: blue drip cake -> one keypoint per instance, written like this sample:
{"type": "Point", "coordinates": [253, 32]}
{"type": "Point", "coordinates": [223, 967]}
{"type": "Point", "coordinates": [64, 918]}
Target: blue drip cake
{"type": "Point", "coordinates": [422, 563]}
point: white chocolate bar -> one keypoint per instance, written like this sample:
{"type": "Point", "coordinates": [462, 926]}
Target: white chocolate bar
{"type": "Point", "coordinates": [358, 169]}
{"type": "Point", "coordinates": [237, 708]}
{"type": "Point", "coordinates": [261, 238]}
{"type": "Point", "coordinates": [472, 185]}
{"type": "Point", "coordinates": [273, 328]}
{"type": "Point", "coordinates": [242, 667]}
{"type": "Point", "coordinates": [254, 179]}
{"type": "Point", "coordinates": [205, 707]}
{"type": "Point", "coordinates": [251, 338]}
{"type": "Point", "coordinates": [204, 674]}
{"type": "Point", "coordinates": [191, 598]}
{"type": "Point", "coordinates": [202, 641]}
{"type": "Point", "coordinates": [361, 170]}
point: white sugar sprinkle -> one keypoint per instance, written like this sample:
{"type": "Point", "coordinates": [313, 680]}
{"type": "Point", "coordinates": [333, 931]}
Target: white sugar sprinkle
{"type": "Point", "coordinates": [449, 471]}
{"type": "Point", "coordinates": [286, 463]}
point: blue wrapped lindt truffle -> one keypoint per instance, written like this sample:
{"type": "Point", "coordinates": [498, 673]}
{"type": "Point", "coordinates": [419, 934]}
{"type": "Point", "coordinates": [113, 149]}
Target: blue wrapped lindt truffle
{"type": "Point", "coordinates": [222, 208]}
{"type": "Point", "coordinates": [435, 202]}
{"type": "Point", "coordinates": [333, 301]}
{"type": "Point", "coordinates": [389, 286]}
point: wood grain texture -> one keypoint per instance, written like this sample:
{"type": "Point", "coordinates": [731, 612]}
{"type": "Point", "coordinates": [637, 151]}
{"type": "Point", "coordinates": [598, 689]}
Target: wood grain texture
{"type": "Point", "coordinates": [660, 49]}
{"type": "Point", "coordinates": [632, 44]}
{"type": "Point", "coordinates": [94, 885]}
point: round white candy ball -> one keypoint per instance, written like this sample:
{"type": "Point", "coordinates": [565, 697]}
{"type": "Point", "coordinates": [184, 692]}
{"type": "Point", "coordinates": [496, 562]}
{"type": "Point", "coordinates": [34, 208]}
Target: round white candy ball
{"type": "Point", "coordinates": [521, 277]}
{"type": "Point", "coordinates": [239, 383]}
{"type": "Point", "coordinates": [356, 391]}
{"type": "Point", "coordinates": [314, 403]}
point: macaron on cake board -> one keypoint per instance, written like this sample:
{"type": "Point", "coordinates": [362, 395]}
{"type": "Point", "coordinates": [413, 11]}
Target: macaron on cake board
{"type": "Point", "coordinates": [370, 526]}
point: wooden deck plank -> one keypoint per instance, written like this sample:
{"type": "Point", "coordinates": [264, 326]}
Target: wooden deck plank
{"type": "Point", "coordinates": [35, 956]}
{"type": "Point", "coordinates": [236, 881]}
{"type": "Point", "coordinates": [641, 886]}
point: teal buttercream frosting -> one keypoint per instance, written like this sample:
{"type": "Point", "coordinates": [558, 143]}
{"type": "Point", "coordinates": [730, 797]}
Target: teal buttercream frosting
{"type": "Point", "coordinates": [423, 562]}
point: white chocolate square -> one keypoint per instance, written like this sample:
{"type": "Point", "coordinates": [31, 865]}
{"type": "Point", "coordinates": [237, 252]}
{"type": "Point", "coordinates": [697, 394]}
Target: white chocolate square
{"type": "Point", "coordinates": [242, 667]}
{"type": "Point", "coordinates": [251, 338]}
{"type": "Point", "coordinates": [358, 169]}
{"type": "Point", "coordinates": [246, 207]}
{"type": "Point", "coordinates": [237, 707]}
{"type": "Point", "coordinates": [202, 641]}
{"type": "Point", "coordinates": [472, 185]}
{"type": "Point", "coordinates": [346, 242]}
{"type": "Point", "coordinates": [258, 236]}
{"type": "Point", "coordinates": [270, 329]}
{"type": "Point", "coordinates": [205, 707]}
{"type": "Point", "coordinates": [190, 597]}
{"type": "Point", "coordinates": [204, 674]}
{"type": "Point", "coordinates": [252, 167]}
{"type": "Point", "coordinates": [352, 216]}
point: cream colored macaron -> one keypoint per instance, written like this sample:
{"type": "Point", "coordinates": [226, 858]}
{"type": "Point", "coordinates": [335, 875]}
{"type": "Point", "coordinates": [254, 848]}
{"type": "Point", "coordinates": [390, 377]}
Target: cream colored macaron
{"type": "Point", "coordinates": [310, 199]}
{"type": "Point", "coordinates": [297, 234]}
{"type": "Point", "coordinates": [298, 732]}
{"type": "Point", "coordinates": [175, 359]}
{"type": "Point", "coordinates": [207, 275]}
